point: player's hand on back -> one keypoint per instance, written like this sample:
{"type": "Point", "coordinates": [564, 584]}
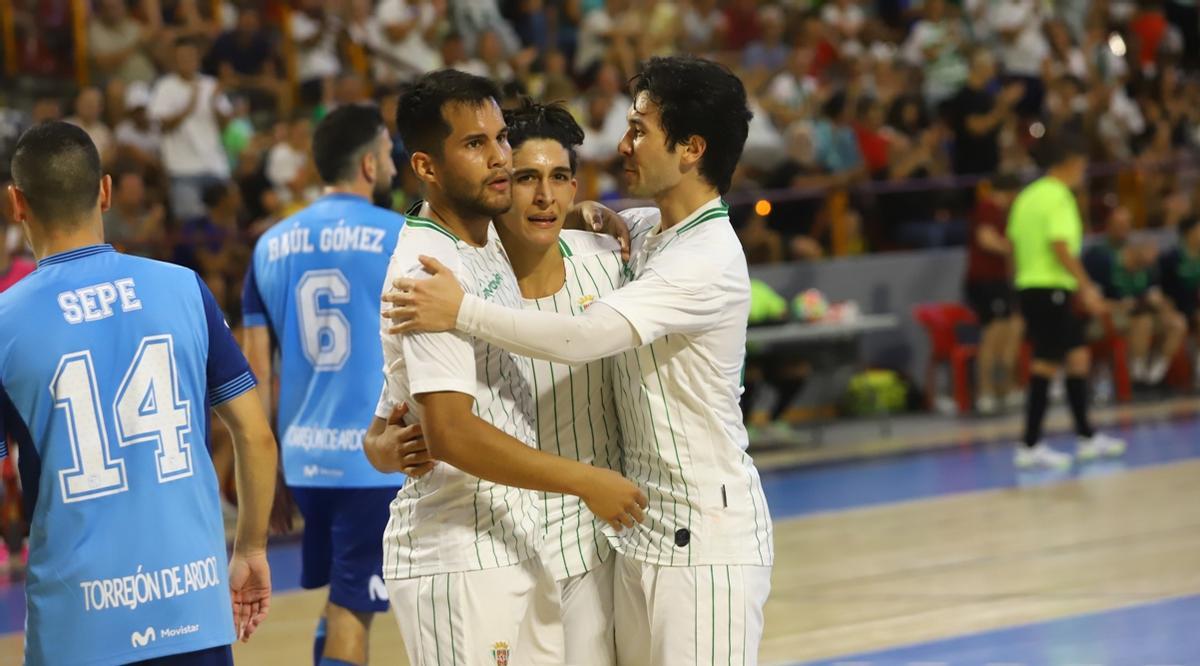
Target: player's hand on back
{"type": "Point", "coordinates": [250, 587]}
{"type": "Point", "coordinates": [613, 498]}
{"type": "Point", "coordinates": [425, 305]}
{"type": "Point", "coordinates": [596, 217]}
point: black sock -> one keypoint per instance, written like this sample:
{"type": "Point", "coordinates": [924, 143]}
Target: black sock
{"type": "Point", "coordinates": [1035, 408]}
{"type": "Point", "coordinates": [1077, 396]}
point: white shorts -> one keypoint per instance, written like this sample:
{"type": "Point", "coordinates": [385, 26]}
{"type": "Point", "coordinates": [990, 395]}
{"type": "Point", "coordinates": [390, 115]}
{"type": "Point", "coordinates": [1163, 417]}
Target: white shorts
{"type": "Point", "coordinates": [493, 617]}
{"type": "Point", "coordinates": [587, 617]}
{"type": "Point", "coordinates": [689, 616]}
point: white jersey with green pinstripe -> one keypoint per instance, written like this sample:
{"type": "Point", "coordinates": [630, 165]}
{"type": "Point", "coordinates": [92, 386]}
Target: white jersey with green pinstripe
{"type": "Point", "coordinates": [450, 521]}
{"type": "Point", "coordinates": [687, 293]}
{"type": "Point", "coordinates": [576, 415]}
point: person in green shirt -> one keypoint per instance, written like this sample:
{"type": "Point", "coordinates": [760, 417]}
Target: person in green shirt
{"type": "Point", "coordinates": [1046, 232]}
{"type": "Point", "coordinates": [1179, 267]}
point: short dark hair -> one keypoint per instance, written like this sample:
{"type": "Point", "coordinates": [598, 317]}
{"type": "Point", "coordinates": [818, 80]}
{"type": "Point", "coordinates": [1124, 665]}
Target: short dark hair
{"type": "Point", "coordinates": [544, 121]}
{"type": "Point", "coordinates": [698, 97]}
{"type": "Point", "coordinates": [1055, 149]}
{"type": "Point", "coordinates": [341, 139]}
{"type": "Point", "coordinates": [57, 167]}
{"type": "Point", "coordinates": [420, 119]}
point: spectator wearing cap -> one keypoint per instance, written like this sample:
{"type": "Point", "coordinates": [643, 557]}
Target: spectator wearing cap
{"type": "Point", "coordinates": [119, 45]}
{"type": "Point", "coordinates": [191, 110]}
{"type": "Point", "coordinates": [137, 135]}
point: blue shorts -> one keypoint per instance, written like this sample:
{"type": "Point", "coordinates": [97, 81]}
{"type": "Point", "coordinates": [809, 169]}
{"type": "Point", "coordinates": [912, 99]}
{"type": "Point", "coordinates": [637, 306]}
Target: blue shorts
{"type": "Point", "coordinates": [343, 544]}
{"type": "Point", "coordinates": [217, 656]}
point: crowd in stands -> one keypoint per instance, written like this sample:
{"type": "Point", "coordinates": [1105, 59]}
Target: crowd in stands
{"type": "Point", "coordinates": [203, 109]}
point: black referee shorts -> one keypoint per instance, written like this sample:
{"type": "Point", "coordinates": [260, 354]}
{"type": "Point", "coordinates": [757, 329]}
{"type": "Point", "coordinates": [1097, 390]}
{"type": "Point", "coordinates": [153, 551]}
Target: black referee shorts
{"type": "Point", "coordinates": [991, 300]}
{"type": "Point", "coordinates": [1052, 324]}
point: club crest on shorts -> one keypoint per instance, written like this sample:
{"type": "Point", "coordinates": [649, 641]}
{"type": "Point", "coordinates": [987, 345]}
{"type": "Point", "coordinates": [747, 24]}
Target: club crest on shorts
{"type": "Point", "coordinates": [500, 653]}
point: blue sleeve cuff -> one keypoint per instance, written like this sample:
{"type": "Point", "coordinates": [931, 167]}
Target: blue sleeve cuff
{"type": "Point", "coordinates": [231, 389]}
{"type": "Point", "coordinates": [253, 320]}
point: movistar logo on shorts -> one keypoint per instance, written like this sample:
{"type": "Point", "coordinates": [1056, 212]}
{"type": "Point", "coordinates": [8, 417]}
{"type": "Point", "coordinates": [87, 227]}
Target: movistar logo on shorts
{"type": "Point", "coordinates": [142, 638]}
{"type": "Point", "coordinates": [492, 286]}
{"type": "Point", "coordinates": [377, 589]}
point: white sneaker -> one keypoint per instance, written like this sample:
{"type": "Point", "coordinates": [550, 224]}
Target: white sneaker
{"type": "Point", "coordinates": [1015, 399]}
{"type": "Point", "coordinates": [986, 405]}
{"type": "Point", "coordinates": [1157, 372]}
{"type": "Point", "coordinates": [1041, 455]}
{"type": "Point", "coordinates": [1138, 370]}
{"type": "Point", "coordinates": [1099, 445]}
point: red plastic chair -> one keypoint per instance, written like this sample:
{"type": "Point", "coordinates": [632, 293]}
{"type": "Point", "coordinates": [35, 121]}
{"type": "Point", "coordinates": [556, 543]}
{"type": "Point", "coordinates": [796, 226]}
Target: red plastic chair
{"type": "Point", "coordinates": [1115, 349]}
{"type": "Point", "coordinates": [941, 321]}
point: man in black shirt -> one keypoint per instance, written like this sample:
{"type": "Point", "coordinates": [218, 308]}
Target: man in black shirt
{"type": "Point", "coordinates": [977, 115]}
{"type": "Point", "coordinates": [242, 60]}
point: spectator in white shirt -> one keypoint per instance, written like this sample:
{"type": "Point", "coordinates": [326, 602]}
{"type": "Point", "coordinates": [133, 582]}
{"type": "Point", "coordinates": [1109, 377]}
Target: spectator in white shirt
{"type": "Point", "coordinates": [191, 110]}
{"type": "Point", "coordinates": [1023, 48]}
{"type": "Point", "coordinates": [403, 35]}
{"type": "Point", "coordinates": [315, 32]}
{"type": "Point", "coordinates": [287, 161]}
{"type": "Point", "coordinates": [137, 135]}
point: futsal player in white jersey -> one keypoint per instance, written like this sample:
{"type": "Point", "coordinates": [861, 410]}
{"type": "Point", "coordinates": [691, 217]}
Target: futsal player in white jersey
{"type": "Point", "coordinates": [561, 271]}
{"type": "Point", "coordinates": [691, 580]}
{"type": "Point", "coordinates": [461, 552]}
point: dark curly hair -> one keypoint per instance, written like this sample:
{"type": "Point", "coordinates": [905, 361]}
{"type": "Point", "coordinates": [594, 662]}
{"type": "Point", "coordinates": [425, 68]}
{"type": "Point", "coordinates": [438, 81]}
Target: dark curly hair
{"type": "Point", "coordinates": [698, 97]}
{"type": "Point", "coordinates": [544, 121]}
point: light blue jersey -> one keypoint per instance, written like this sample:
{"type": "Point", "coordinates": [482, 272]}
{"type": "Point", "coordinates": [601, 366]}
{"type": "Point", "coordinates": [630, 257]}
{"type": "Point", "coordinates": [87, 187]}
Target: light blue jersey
{"type": "Point", "coordinates": [315, 281]}
{"type": "Point", "coordinates": [108, 367]}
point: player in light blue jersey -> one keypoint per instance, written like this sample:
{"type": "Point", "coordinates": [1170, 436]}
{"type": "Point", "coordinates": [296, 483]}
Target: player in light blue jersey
{"type": "Point", "coordinates": [108, 367]}
{"type": "Point", "coordinates": [313, 292]}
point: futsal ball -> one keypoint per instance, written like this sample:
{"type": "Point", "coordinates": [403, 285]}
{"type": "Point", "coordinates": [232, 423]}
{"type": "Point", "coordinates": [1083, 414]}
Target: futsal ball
{"type": "Point", "coordinates": [809, 305]}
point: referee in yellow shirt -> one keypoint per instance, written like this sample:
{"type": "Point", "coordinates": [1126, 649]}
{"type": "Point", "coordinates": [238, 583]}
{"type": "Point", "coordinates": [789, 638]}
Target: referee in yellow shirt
{"type": "Point", "coordinates": [1055, 294]}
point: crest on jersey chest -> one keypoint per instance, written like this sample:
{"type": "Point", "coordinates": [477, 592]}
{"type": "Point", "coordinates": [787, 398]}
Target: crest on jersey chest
{"type": "Point", "coordinates": [500, 653]}
{"type": "Point", "coordinates": [584, 301]}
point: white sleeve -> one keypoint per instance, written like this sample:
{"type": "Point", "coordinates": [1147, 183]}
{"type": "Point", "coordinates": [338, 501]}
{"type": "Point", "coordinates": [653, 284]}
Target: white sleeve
{"type": "Point", "coordinates": [588, 243]}
{"type": "Point", "coordinates": [677, 293]}
{"type": "Point", "coordinates": [641, 221]}
{"type": "Point", "coordinates": [598, 333]}
{"type": "Point", "coordinates": [383, 408]}
{"type": "Point", "coordinates": [162, 102]}
{"type": "Point", "coordinates": [428, 362]}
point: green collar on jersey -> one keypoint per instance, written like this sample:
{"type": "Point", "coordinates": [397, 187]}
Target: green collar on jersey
{"type": "Point", "coordinates": [719, 211]}
{"type": "Point", "coordinates": [426, 223]}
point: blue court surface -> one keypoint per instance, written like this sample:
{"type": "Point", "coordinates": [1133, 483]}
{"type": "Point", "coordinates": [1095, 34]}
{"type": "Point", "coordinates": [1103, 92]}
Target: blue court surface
{"type": "Point", "coordinates": [1159, 633]}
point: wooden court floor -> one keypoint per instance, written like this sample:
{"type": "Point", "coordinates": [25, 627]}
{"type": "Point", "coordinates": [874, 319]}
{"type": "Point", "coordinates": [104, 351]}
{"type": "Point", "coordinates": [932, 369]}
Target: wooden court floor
{"type": "Point", "coordinates": [901, 573]}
